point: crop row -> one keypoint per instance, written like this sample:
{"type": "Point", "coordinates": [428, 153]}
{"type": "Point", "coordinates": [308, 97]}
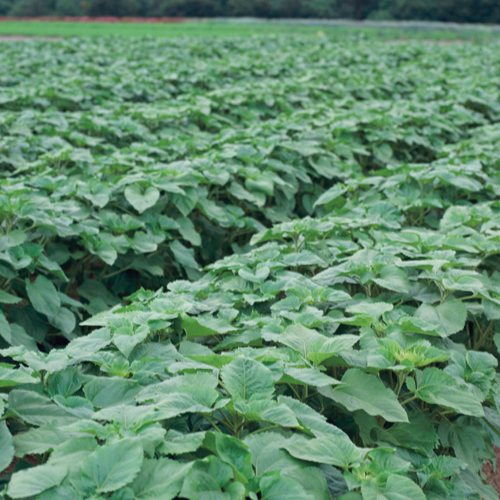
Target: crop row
{"type": "Point", "coordinates": [324, 219]}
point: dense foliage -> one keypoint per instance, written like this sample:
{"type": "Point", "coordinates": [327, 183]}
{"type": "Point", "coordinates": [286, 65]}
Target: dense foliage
{"type": "Point", "coordinates": [262, 268]}
{"type": "Point", "coordinates": [462, 11]}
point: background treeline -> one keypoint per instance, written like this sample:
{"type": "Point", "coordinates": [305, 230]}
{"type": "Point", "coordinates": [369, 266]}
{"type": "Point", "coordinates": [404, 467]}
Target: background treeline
{"type": "Point", "coordinates": [473, 11]}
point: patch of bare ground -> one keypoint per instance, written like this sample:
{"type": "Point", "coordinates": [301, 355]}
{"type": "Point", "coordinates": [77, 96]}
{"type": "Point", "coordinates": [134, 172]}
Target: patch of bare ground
{"type": "Point", "coordinates": [493, 475]}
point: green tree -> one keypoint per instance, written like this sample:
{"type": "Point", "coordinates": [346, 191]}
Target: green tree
{"type": "Point", "coordinates": [5, 7]}
{"type": "Point", "coordinates": [268, 8]}
{"type": "Point", "coordinates": [68, 8]}
{"type": "Point", "coordinates": [319, 8]}
{"type": "Point", "coordinates": [241, 8]}
{"type": "Point", "coordinates": [461, 11]}
{"type": "Point", "coordinates": [119, 8]}
{"type": "Point", "coordinates": [191, 8]}
{"type": "Point", "coordinates": [472, 11]}
{"type": "Point", "coordinates": [29, 8]}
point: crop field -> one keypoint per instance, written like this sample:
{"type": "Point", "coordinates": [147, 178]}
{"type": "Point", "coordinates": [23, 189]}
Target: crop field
{"type": "Point", "coordinates": [258, 268]}
{"type": "Point", "coordinates": [90, 27]}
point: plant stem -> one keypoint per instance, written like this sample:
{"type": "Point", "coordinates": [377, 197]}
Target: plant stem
{"type": "Point", "coordinates": [484, 337]}
{"type": "Point", "coordinates": [264, 429]}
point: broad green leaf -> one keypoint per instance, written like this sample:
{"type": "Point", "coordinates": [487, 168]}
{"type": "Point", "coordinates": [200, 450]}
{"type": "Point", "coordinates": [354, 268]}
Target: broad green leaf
{"type": "Point", "coordinates": [372, 309]}
{"type": "Point", "coordinates": [202, 326]}
{"type": "Point", "coordinates": [106, 252]}
{"type": "Point", "coordinates": [330, 195]}
{"type": "Point", "coordinates": [160, 479]}
{"type": "Point", "coordinates": [351, 496]}
{"type": "Point", "coordinates": [186, 202]}
{"type": "Point", "coordinates": [184, 255]}
{"type": "Point", "coordinates": [64, 319]}
{"type": "Point", "coordinates": [130, 416]}
{"type": "Point", "coordinates": [411, 324]}
{"type": "Point", "coordinates": [327, 348]}
{"type": "Point", "coordinates": [144, 243]}
{"type": "Point", "coordinates": [65, 382]}
{"type": "Point", "coordinates": [335, 481]}
{"type": "Point", "coordinates": [126, 339]}
{"type": "Point", "coordinates": [6, 445]}
{"type": "Point", "coordinates": [139, 199]}
{"type": "Point", "coordinates": [362, 391]}
{"type": "Point", "coordinates": [240, 193]}
{"type": "Point", "coordinates": [396, 488]}
{"type": "Point", "coordinates": [300, 338]}
{"type": "Point", "coordinates": [282, 488]}
{"type": "Point", "coordinates": [313, 421]}
{"type": "Point", "coordinates": [75, 405]}
{"type": "Point", "coordinates": [11, 377]}
{"type": "Point", "coordinates": [52, 266]}
{"type": "Point", "coordinates": [53, 362]}
{"type": "Point", "coordinates": [99, 196]}
{"type": "Point", "coordinates": [60, 493]}
{"type": "Point", "coordinates": [72, 452]}
{"type": "Point", "coordinates": [485, 491]}
{"type": "Point", "coordinates": [21, 338]}
{"type": "Point", "coordinates": [177, 443]}
{"type": "Point", "coordinates": [104, 392]}
{"type": "Point", "coordinates": [82, 347]}
{"type": "Point", "coordinates": [245, 378]}
{"type": "Point", "coordinates": [393, 278]}
{"type": "Point", "coordinates": [205, 480]}
{"type": "Point", "coordinates": [197, 399]}
{"type": "Point", "coordinates": [7, 298]}
{"type": "Point", "coordinates": [193, 389]}
{"type": "Point", "coordinates": [233, 452]}
{"type": "Point", "coordinates": [188, 231]}
{"type": "Point", "coordinates": [37, 410]}
{"type": "Point", "coordinates": [112, 466]}
{"type": "Point", "coordinates": [236, 490]}
{"type": "Point", "coordinates": [28, 320]}
{"type": "Point", "coordinates": [307, 376]}
{"type": "Point", "coordinates": [257, 276]}
{"type": "Point", "coordinates": [419, 435]}
{"type": "Point", "coordinates": [449, 316]}
{"type": "Point", "coordinates": [30, 482]}
{"type": "Point", "coordinates": [383, 152]}
{"type": "Point", "coordinates": [39, 440]}
{"type": "Point", "coordinates": [312, 479]}
{"type": "Point", "coordinates": [12, 239]}
{"type": "Point", "coordinates": [266, 410]}
{"type": "Point", "coordinates": [267, 455]}
{"type": "Point", "coordinates": [330, 449]}
{"type": "Point", "coordinates": [5, 329]}
{"type": "Point", "coordinates": [384, 461]}
{"type": "Point", "coordinates": [469, 446]}
{"type": "Point", "coordinates": [434, 386]}
{"type": "Point", "coordinates": [43, 295]}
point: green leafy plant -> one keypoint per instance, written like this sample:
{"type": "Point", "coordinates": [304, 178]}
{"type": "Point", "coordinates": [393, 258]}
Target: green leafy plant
{"type": "Point", "coordinates": [232, 272]}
